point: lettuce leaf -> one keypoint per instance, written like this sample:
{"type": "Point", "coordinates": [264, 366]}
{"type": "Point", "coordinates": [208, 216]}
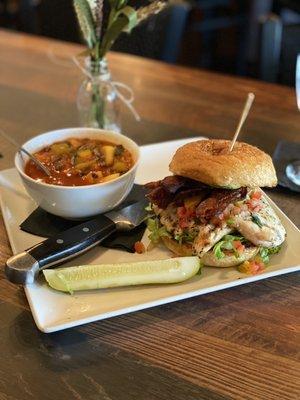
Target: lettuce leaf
{"type": "Point", "coordinates": [185, 237]}
{"type": "Point", "coordinates": [156, 230]}
{"type": "Point", "coordinates": [227, 244]}
{"type": "Point", "coordinates": [149, 208]}
{"type": "Point", "coordinates": [265, 253]}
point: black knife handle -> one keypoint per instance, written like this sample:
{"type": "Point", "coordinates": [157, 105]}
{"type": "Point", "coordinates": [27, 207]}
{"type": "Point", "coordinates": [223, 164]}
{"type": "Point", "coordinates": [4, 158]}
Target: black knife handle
{"type": "Point", "coordinates": [24, 267]}
{"type": "Point", "coordinates": [72, 242]}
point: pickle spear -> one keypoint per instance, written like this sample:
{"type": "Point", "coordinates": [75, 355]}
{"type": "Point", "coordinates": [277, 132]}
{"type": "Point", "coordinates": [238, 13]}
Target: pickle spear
{"type": "Point", "coordinates": [87, 277]}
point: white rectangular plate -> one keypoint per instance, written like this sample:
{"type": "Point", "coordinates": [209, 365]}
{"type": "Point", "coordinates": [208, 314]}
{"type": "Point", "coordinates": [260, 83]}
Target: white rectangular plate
{"type": "Point", "coordinates": [53, 311]}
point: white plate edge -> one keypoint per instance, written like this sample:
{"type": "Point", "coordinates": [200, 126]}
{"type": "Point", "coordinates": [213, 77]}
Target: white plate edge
{"type": "Point", "coordinates": [238, 282]}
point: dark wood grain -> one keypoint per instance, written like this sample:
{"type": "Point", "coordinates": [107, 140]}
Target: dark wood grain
{"type": "Point", "coordinates": [242, 343]}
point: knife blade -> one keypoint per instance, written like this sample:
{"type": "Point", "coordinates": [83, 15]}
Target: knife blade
{"type": "Point", "coordinates": [23, 268]}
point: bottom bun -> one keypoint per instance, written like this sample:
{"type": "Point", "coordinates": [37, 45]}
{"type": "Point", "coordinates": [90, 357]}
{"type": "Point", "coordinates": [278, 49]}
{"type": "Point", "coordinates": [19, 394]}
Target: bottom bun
{"type": "Point", "coordinates": [210, 260]}
{"type": "Point", "coordinates": [182, 250]}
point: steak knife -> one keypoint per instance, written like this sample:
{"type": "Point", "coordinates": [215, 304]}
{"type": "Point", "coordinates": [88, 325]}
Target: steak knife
{"type": "Point", "coordinates": [23, 268]}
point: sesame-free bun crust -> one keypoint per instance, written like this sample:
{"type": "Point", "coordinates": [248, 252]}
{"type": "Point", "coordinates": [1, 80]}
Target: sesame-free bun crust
{"type": "Point", "coordinates": [210, 162]}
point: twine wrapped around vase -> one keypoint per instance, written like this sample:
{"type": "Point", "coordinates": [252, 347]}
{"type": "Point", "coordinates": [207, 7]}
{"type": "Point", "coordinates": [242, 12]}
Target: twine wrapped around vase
{"type": "Point", "coordinates": [115, 85]}
{"type": "Point", "coordinates": [121, 91]}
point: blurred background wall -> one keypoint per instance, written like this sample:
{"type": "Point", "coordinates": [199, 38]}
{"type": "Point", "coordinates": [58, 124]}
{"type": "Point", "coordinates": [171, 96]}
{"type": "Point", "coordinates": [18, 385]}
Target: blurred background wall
{"type": "Point", "coordinates": [255, 38]}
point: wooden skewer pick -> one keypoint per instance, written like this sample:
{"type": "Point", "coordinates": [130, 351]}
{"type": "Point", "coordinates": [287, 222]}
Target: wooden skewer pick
{"type": "Point", "coordinates": [244, 115]}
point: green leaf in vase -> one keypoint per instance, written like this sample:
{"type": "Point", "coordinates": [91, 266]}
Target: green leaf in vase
{"type": "Point", "coordinates": [93, 5]}
{"type": "Point", "coordinates": [125, 19]}
{"type": "Point", "coordinates": [117, 4]}
{"type": "Point", "coordinates": [85, 20]}
{"type": "Point", "coordinates": [96, 7]}
{"type": "Point", "coordinates": [131, 14]}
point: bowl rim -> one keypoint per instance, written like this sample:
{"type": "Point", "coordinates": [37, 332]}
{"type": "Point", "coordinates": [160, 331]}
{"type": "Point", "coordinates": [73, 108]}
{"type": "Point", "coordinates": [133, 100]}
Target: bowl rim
{"type": "Point", "coordinates": [94, 185]}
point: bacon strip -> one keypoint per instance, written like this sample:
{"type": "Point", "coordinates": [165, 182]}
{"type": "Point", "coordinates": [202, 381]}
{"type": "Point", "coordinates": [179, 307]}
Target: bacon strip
{"type": "Point", "coordinates": [216, 203]}
{"type": "Point", "coordinates": [201, 192]}
{"type": "Point", "coordinates": [160, 197]}
{"type": "Point", "coordinates": [161, 193]}
{"type": "Point", "coordinates": [176, 188]}
{"type": "Point", "coordinates": [173, 183]}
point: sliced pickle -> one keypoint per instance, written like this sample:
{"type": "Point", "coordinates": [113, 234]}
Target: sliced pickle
{"type": "Point", "coordinates": [87, 277]}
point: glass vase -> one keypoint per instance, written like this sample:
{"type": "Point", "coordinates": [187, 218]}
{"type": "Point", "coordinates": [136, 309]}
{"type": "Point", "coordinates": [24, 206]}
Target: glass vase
{"type": "Point", "coordinates": [97, 100]}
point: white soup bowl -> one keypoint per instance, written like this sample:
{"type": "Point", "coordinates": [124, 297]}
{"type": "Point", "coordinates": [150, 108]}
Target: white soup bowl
{"type": "Point", "coordinates": [77, 202]}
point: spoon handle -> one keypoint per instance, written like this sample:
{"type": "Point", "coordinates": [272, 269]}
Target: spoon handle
{"type": "Point", "coordinates": [34, 159]}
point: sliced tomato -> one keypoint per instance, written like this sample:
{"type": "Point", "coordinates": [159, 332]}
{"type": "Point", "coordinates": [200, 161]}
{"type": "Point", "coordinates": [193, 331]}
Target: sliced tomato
{"type": "Point", "coordinates": [139, 247]}
{"type": "Point", "coordinates": [237, 243]}
{"type": "Point", "coordinates": [252, 267]}
{"type": "Point", "coordinates": [241, 249]}
{"type": "Point", "coordinates": [238, 246]}
{"type": "Point", "coordinates": [256, 195]}
{"type": "Point", "coordinates": [254, 205]}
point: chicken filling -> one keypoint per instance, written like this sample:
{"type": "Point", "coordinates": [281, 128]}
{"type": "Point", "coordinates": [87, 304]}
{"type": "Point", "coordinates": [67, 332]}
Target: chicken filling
{"type": "Point", "coordinates": [225, 221]}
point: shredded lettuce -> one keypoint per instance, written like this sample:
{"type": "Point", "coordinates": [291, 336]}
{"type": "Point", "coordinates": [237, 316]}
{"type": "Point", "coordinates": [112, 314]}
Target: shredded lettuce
{"type": "Point", "coordinates": [265, 253]}
{"type": "Point", "coordinates": [149, 208]}
{"type": "Point", "coordinates": [230, 221]}
{"type": "Point", "coordinates": [200, 269]}
{"type": "Point", "coordinates": [274, 250]}
{"type": "Point", "coordinates": [226, 244]}
{"type": "Point", "coordinates": [185, 237]}
{"type": "Point", "coordinates": [156, 230]}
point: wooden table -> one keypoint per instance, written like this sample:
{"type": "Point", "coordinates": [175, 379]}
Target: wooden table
{"type": "Point", "coordinates": [242, 343]}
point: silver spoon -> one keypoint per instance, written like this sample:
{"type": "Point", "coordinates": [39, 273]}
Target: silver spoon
{"type": "Point", "coordinates": [21, 149]}
{"type": "Point", "coordinates": [293, 172]}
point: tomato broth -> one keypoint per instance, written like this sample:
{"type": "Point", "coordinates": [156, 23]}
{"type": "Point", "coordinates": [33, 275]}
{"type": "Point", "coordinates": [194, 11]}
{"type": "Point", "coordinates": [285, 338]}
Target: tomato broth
{"type": "Point", "coordinates": [78, 162]}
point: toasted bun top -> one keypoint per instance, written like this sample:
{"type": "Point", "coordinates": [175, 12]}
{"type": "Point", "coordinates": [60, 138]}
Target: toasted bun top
{"type": "Point", "coordinates": [210, 162]}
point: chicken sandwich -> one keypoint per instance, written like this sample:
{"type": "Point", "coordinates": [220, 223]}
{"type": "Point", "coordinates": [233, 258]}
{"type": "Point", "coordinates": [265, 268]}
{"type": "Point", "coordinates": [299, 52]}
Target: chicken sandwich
{"type": "Point", "coordinates": [212, 205]}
